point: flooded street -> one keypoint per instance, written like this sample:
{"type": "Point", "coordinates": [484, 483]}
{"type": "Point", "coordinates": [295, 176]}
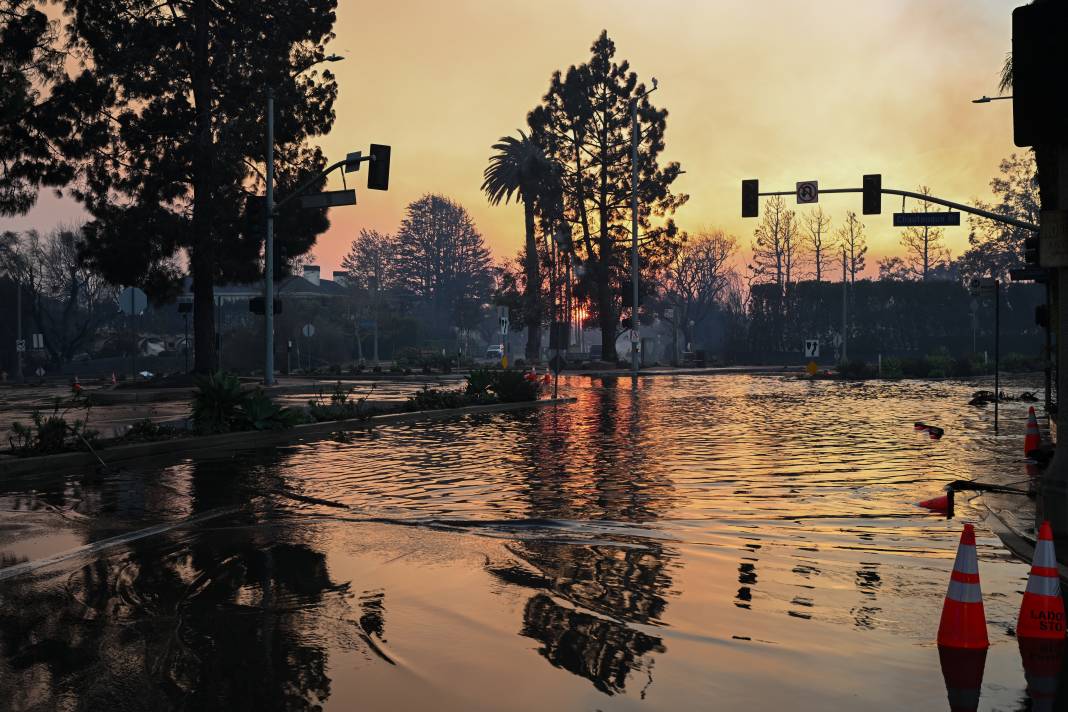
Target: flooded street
{"type": "Point", "coordinates": [687, 542]}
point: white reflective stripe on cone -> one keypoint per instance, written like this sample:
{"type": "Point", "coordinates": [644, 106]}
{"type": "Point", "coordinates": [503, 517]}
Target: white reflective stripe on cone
{"type": "Point", "coordinates": [1044, 556]}
{"type": "Point", "coordinates": [1044, 585]}
{"type": "Point", "coordinates": [964, 592]}
{"type": "Point", "coordinates": [967, 562]}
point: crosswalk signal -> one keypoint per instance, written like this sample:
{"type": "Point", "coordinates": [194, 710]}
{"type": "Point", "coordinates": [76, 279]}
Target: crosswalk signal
{"type": "Point", "coordinates": [750, 198]}
{"type": "Point", "coordinates": [1031, 251]}
{"type": "Point", "coordinates": [873, 194]}
{"type": "Point", "coordinates": [378, 175]}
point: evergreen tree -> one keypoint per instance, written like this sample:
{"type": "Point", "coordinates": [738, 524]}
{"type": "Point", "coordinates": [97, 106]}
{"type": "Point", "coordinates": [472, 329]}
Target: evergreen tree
{"type": "Point", "coordinates": [584, 124]}
{"type": "Point", "coordinates": [171, 97]}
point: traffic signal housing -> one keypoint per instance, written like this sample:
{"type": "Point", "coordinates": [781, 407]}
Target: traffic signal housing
{"type": "Point", "coordinates": [1039, 60]}
{"type": "Point", "coordinates": [1032, 257]}
{"type": "Point", "coordinates": [378, 175]}
{"type": "Point", "coordinates": [750, 198]}
{"type": "Point", "coordinates": [873, 194]}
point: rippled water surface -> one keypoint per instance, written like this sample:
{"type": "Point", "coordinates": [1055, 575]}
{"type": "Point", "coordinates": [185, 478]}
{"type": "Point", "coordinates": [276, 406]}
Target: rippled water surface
{"type": "Point", "coordinates": [728, 542]}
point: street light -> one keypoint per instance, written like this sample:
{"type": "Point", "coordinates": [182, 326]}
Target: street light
{"type": "Point", "coordinates": [987, 99]}
{"type": "Point", "coordinates": [268, 276]}
{"type": "Point", "coordinates": [635, 357]}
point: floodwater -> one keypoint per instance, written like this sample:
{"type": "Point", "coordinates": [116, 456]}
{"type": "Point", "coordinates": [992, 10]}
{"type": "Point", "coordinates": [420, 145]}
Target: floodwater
{"type": "Point", "coordinates": [670, 543]}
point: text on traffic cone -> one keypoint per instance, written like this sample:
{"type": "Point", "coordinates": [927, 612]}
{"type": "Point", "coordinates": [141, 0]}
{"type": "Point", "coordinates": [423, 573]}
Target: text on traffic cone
{"type": "Point", "coordinates": [1042, 612]}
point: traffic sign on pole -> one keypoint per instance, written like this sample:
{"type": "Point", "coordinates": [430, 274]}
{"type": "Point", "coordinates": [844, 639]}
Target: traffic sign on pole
{"type": "Point", "coordinates": [808, 191]}
{"type": "Point", "coordinates": [308, 330]}
{"type": "Point", "coordinates": [20, 345]}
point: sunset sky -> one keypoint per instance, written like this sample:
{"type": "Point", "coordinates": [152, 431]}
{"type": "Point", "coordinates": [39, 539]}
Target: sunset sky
{"type": "Point", "coordinates": [770, 89]}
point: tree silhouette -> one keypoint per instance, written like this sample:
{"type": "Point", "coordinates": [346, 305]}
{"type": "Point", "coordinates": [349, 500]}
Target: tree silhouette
{"type": "Point", "coordinates": [520, 168]}
{"type": "Point", "coordinates": [584, 123]}
{"type": "Point", "coordinates": [817, 231]}
{"type": "Point", "coordinates": [852, 241]}
{"type": "Point", "coordinates": [172, 138]}
{"type": "Point", "coordinates": [923, 245]}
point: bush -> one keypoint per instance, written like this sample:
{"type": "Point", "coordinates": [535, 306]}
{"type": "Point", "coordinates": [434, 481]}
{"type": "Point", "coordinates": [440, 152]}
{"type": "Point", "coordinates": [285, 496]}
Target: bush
{"type": "Point", "coordinates": [221, 406]}
{"type": "Point", "coordinates": [216, 403]}
{"type": "Point", "coordinates": [52, 433]}
{"type": "Point", "coordinates": [340, 406]}
{"type": "Point", "coordinates": [513, 387]}
{"type": "Point", "coordinates": [856, 369]}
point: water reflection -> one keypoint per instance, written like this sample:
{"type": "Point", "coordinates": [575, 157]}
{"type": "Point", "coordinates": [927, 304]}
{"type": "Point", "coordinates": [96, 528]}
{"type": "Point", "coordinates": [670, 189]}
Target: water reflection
{"type": "Point", "coordinates": [219, 620]}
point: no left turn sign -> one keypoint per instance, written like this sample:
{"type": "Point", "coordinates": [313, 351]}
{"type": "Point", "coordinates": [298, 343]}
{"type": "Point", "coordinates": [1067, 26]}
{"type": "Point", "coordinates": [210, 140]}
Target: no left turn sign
{"type": "Point", "coordinates": [808, 191]}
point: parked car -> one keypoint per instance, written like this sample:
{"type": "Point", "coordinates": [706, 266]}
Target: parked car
{"type": "Point", "coordinates": [495, 352]}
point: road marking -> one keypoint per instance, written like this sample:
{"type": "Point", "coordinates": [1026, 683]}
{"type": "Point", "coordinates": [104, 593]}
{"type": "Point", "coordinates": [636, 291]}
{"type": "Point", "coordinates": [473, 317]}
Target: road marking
{"type": "Point", "coordinates": [110, 543]}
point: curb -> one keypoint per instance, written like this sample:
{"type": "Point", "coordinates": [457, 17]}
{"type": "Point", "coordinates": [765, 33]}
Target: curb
{"type": "Point", "coordinates": [15, 467]}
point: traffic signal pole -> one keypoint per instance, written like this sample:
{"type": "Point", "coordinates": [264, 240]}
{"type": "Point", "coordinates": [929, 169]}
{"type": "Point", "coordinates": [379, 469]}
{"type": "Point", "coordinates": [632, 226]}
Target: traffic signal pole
{"type": "Point", "coordinates": [1005, 219]}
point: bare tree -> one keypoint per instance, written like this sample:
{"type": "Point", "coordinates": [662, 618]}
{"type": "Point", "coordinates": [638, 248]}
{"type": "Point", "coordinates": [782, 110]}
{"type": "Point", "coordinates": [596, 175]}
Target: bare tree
{"type": "Point", "coordinates": [771, 253]}
{"type": "Point", "coordinates": [852, 241]}
{"type": "Point", "coordinates": [816, 238]}
{"type": "Point", "coordinates": [697, 277]}
{"type": "Point", "coordinates": [924, 247]}
{"type": "Point", "coordinates": [68, 301]}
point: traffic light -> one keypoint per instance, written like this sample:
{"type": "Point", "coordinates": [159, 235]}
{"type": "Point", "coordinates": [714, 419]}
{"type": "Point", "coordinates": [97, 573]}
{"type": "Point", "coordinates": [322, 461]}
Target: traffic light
{"type": "Point", "coordinates": [750, 198]}
{"type": "Point", "coordinates": [1031, 251]}
{"type": "Point", "coordinates": [1039, 59]}
{"type": "Point", "coordinates": [378, 175]}
{"type": "Point", "coordinates": [281, 260]}
{"type": "Point", "coordinates": [873, 194]}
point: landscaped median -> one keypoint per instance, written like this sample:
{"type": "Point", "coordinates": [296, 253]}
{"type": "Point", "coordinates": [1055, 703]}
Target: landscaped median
{"type": "Point", "coordinates": [253, 422]}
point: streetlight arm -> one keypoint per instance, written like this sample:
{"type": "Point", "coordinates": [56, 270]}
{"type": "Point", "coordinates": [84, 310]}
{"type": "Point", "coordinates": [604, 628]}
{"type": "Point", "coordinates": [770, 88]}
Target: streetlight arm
{"type": "Point", "coordinates": [319, 176]}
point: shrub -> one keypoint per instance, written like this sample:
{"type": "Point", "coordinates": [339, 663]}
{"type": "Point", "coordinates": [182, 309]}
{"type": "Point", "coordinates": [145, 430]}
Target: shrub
{"type": "Point", "coordinates": [258, 412]}
{"type": "Point", "coordinates": [437, 399]}
{"type": "Point", "coordinates": [221, 406]}
{"type": "Point", "coordinates": [52, 433]}
{"type": "Point", "coordinates": [341, 405]}
{"type": "Point", "coordinates": [892, 368]}
{"type": "Point", "coordinates": [513, 387]}
{"type": "Point", "coordinates": [216, 402]}
{"type": "Point", "coordinates": [856, 369]}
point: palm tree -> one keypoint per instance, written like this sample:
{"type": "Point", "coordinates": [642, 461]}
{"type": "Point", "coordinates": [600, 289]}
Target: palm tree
{"type": "Point", "coordinates": [520, 169]}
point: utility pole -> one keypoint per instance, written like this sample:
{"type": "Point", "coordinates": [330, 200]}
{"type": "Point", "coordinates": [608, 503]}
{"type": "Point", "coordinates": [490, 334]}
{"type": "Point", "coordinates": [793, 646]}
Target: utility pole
{"type": "Point", "coordinates": [19, 375]}
{"type": "Point", "coordinates": [268, 259]}
{"type": "Point", "coordinates": [635, 356]}
{"type": "Point", "coordinates": [845, 304]}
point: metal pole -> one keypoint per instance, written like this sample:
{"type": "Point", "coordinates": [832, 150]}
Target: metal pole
{"type": "Point", "coordinates": [186, 315]}
{"type": "Point", "coordinates": [845, 303]}
{"type": "Point", "coordinates": [19, 375]}
{"type": "Point", "coordinates": [997, 351]}
{"type": "Point", "coordinates": [634, 355]}
{"type": "Point", "coordinates": [268, 276]}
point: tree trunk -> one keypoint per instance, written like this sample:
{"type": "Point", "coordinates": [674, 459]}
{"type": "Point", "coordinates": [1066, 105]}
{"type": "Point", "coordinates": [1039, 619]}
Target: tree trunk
{"type": "Point", "coordinates": [202, 257]}
{"type": "Point", "coordinates": [532, 294]}
{"type": "Point", "coordinates": [606, 311]}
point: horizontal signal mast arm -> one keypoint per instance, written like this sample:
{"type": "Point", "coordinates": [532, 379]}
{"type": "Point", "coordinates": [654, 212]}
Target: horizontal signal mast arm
{"type": "Point", "coordinates": [929, 199]}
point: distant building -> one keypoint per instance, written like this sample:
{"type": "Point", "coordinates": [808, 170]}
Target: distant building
{"type": "Point", "coordinates": [308, 286]}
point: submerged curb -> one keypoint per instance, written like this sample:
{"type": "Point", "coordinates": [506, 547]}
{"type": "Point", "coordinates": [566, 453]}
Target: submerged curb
{"type": "Point", "coordinates": [50, 464]}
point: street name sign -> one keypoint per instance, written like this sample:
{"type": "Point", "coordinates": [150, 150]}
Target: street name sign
{"type": "Point", "coordinates": [808, 191]}
{"type": "Point", "coordinates": [329, 199]}
{"type": "Point", "coordinates": [926, 219]}
{"type": "Point", "coordinates": [1053, 238]}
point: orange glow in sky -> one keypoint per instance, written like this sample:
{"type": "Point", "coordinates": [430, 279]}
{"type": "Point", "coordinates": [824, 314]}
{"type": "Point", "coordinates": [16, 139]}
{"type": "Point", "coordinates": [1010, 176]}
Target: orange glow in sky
{"type": "Point", "coordinates": [776, 90]}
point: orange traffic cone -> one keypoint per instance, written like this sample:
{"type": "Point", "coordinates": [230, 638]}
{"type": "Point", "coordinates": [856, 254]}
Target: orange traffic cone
{"type": "Point", "coordinates": [935, 432]}
{"type": "Point", "coordinates": [963, 672]}
{"type": "Point", "coordinates": [938, 504]}
{"type": "Point", "coordinates": [1033, 438]}
{"type": "Point", "coordinates": [920, 425]}
{"type": "Point", "coordinates": [1042, 665]}
{"type": "Point", "coordinates": [1042, 612]}
{"type": "Point", "coordinates": [963, 623]}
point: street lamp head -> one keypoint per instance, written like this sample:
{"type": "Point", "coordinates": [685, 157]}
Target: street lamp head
{"type": "Point", "coordinates": [333, 58]}
{"type": "Point", "coordinates": [981, 100]}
